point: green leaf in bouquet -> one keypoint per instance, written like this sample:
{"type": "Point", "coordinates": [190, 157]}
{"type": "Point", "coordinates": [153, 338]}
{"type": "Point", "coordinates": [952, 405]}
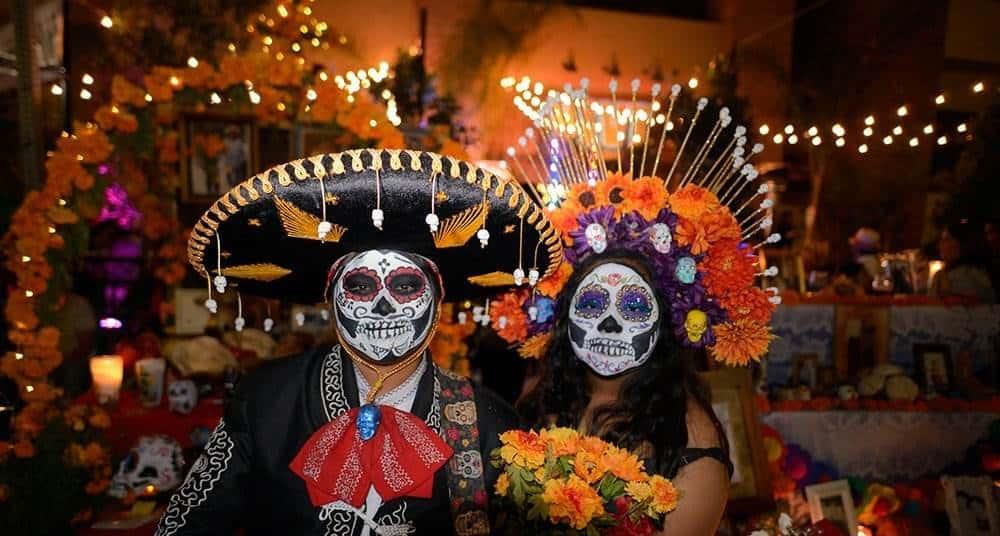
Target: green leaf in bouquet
{"type": "Point", "coordinates": [539, 509]}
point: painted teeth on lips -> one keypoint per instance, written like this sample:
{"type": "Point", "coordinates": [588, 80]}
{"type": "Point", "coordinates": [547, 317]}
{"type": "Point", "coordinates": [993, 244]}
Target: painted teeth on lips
{"type": "Point", "coordinates": [384, 329]}
{"type": "Point", "coordinates": [610, 347]}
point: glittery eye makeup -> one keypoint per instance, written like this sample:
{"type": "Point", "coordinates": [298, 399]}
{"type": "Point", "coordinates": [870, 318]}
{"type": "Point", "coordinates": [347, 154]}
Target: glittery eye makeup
{"type": "Point", "coordinates": [634, 303]}
{"type": "Point", "coordinates": [591, 301]}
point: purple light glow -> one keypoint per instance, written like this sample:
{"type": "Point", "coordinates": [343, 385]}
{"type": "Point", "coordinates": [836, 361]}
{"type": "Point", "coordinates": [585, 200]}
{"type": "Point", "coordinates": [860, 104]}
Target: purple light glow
{"type": "Point", "coordinates": [118, 208]}
{"type": "Point", "coordinates": [103, 169]}
{"type": "Point", "coordinates": [110, 323]}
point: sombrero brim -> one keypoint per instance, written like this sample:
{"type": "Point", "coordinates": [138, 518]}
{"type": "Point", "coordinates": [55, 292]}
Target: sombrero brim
{"type": "Point", "coordinates": [267, 225]}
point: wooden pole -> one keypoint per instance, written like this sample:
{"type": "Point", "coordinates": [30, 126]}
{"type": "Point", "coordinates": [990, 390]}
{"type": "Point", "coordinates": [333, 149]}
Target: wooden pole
{"type": "Point", "coordinates": [29, 94]}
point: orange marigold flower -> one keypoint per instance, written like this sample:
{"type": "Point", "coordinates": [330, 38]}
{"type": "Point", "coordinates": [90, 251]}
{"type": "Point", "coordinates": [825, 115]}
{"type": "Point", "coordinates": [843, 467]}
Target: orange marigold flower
{"type": "Point", "coordinates": [564, 218]}
{"type": "Point", "coordinates": [524, 449]}
{"type": "Point", "coordinates": [503, 483]}
{"type": "Point", "coordinates": [720, 225]}
{"type": "Point", "coordinates": [623, 464]}
{"type": "Point", "coordinates": [750, 302]}
{"type": "Point", "coordinates": [584, 196]}
{"type": "Point", "coordinates": [508, 319]}
{"type": "Point", "coordinates": [572, 501]}
{"type": "Point", "coordinates": [640, 490]}
{"type": "Point", "coordinates": [564, 441]}
{"type": "Point", "coordinates": [740, 341]}
{"type": "Point", "coordinates": [727, 268]}
{"type": "Point", "coordinates": [594, 445]}
{"type": "Point", "coordinates": [691, 202]}
{"type": "Point", "coordinates": [589, 467]}
{"type": "Point", "coordinates": [551, 286]}
{"type": "Point", "coordinates": [664, 495]}
{"type": "Point", "coordinates": [613, 191]}
{"type": "Point", "coordinates": [125, 92]}
{"type": "Point", "coordinates": [692, 234]}
{"type": "Point", "coordinates": [647, 196]}
{"type": "Point", "coordinates": [534, 347]}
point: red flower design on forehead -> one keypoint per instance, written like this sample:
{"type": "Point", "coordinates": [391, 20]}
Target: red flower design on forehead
{"type": "Point", "coordinates": [361, 284]}
{"type": "Point", "coordinates": [406, 284]}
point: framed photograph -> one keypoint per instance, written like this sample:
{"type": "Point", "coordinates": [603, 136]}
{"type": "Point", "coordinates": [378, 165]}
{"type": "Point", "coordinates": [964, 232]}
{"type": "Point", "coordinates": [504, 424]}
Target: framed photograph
{"type": "Point", "coordinates": [934, 367]}
{"type": "Point", "coordinates": [218, 153]}
{"type": "Point", "coordinates": [275, 146]}
{"type": "Point", "coordinates": [805, 370]}
{"type": "Point", "coordinates": [732, 401]}
{"type": "Point", "coordinates": [832, 501]}
{"type": "Point", "coordinates": [969, 501]}
{"type": "Point", "coordinates": [861, 339]}
{"type": "Point", "coordinates": [190, 315]}
{"type": "Point", "coordinates": [317, 139]}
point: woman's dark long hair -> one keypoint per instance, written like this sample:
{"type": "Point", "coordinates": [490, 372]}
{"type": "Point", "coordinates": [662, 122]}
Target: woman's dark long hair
{"type": "Point", "coordinates": [652, 405]}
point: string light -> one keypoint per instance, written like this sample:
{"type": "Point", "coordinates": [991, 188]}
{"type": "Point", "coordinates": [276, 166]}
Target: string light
{"type": "Point", "coordinates": [107, 22]}
{"type": "Point", "coordinates": [942, 140]}
{"type": "Point", "coordinates": [311, 94]}
{"type": "Point", "coordinates": [870, 120]}
{"type": "Point", "coordinates": [961, 127]}
{"type": "Point", "coordinates": [863, 148]}
{"type": "Point", "coordinates": [789, 129]}
{"type": "Point", "coordinates": [193, 62]}
{"type": "Point", "coordinates": [812, 131]}
{"type": "Point", "coordinates": [817, 140]}
{"type": "Point", "coordinates": [148, 98]}
{"type": "Point", "coordinates": [764, 129]}
{"type": "Point", "coordinates": [914, 142]}
{"type": "Point", "coordinates": [282, 10]}
{"type": "Point", "coordinates": [867, 131]}
{"type": "Point", "coordinates": [56, 89]}
{"type": "Point", "coordinates": [215, 98]}
{"type": "Point", "coordinates": [254, 97]}
{"type": "Point", "coordinates": [929, 129]}
{"type": "Point", "coordinates": [174, 81]}
{"type": "Point", "coordinates": [978, 87]}
{"type": "Point", "coordinates": [87, 79]}
{"type": "Point", "coordinates": [840, 142]}
{"type": "Point", "coordinates": [231, 47]}
{"type": "Point", "coordinates": [793, 139]}
{"type": "Point", "coordinates": [902, 111]}
{"type": "Point", "coordinates": [897, 130]}
{"type": "Point", "coordinates": [29, 388]}
{"type": "Point", "coordinates": [939, 100]}
{"type": "Point", "coordinates": [25, 258]}
{"type": "Point", "coordinates": [693, 82]}
{"type": "Point", "coordinates": [838, 129]}
{"type": "Point", "coordinates": [18, 356]}
{"type": "Point", "coordinates": [85, 94]}
{"type": "Point", "coordinates": [887, 140]}
{"type": "Point", "coordinates": [29, 293]}
{"type": "Point", "coordinates": [778, 138]}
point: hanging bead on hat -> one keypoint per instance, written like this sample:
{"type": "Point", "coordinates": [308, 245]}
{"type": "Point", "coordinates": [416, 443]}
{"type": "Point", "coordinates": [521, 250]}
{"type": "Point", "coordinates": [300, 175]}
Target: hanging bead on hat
{"type": "Point", "coordinates": [220, 280]}
{"type": "Point", "coordinates": [432, 219]}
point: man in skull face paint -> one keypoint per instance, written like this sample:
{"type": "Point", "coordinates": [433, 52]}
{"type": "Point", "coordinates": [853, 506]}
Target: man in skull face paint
{"type": "Point", "coordinates": [368, 436]}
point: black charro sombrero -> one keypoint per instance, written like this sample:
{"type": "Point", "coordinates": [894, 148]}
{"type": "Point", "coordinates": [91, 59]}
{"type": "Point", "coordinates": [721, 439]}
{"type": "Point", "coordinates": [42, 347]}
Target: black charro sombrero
{"type": "Point", "coordinates": [277, 233]}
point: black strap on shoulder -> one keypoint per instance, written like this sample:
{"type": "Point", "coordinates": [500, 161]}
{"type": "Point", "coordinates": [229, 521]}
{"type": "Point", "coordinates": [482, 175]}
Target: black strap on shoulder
{"type": "Point", "coordinates": [460, 427]}
{"type": "Point", "coordinates": [690, 455]}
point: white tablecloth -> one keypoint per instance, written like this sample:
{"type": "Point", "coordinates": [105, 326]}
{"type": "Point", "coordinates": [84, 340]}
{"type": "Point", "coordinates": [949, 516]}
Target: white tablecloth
{"type": "Point", "coordinates": [884, 445]}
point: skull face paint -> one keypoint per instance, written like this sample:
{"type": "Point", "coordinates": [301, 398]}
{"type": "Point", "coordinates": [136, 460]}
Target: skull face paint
{"type": "Point", "coordinates": [385, 304]}
{"type": "Point", "coordinates": [613, 319]}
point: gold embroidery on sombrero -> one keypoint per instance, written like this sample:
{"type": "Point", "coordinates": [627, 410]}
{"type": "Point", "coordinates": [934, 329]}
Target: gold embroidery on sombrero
{"type": "Point", "coordinates": [456, 230]}
{"type": "Point", "coordinates": [301, 224]}
{"type": "Point", "coordinates": [259, 272]}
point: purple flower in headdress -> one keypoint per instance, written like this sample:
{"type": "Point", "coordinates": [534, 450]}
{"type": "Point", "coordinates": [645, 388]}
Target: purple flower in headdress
{"type": "Point", "coordinates": [541, 313]}
{"type": "Point", "coordinates": [697, 325]}
{"type": "Point", "coordinates": [594, 234]}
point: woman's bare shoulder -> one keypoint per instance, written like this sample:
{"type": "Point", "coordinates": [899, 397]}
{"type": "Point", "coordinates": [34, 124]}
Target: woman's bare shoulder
{"type": "Point", "coordinates": [702, 432]}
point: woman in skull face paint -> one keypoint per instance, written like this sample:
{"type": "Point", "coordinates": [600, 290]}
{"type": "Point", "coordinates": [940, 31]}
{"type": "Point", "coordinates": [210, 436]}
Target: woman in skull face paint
{"type": "Point", "coordinates": [638, 389]}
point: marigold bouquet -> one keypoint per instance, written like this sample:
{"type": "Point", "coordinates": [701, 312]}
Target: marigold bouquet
{"type": "Point", "coordinates": [558, 481]}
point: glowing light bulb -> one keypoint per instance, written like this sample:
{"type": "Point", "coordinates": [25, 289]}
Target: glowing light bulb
{"type": "Point", "coordinates": [812, 131]}
{"type": "Point", "coordinates": [867, 131]}
{"type": "Point", "coordinates": [898, 130]}
{"type": "Point", "coordinates": [838, 130]}
{"type": "Point", "coordinates": [107, 22]}
{"type": "Point", "coordinates": [817, 140]}
{"type": "Point", "coordinates": [174, 81]}
{"type": "Point", "coordinates": [929, 129]}
{"type": "Point", "coordinates": [192, 62]}
{"type": "Point", "coordinates": [962, 127]}
{"type": "Point", "coordinates": [914, 142]}
{"type": "Point", "coordinates": [902, 111]}
{"type": "Point", "coordinates": [793, 139]}
{"type": "Point", "coordinates": [789, 129]}
{"type": "Point", "coordinates": [311, 94]}
{"type": "Point", "coordinates": [215, 98]}
{"type": "Point", "coordinates": [778, 138]}
{"type": "Point", "coordinates": [939, 100]}
{"type": "Point", "coordinates": [840, 142]}
{"type": "Point", "coordinates": [978, 87]}
{"type": "Point", "coordinates": [85, 94]}
{"type": "Point", "coordinates": [887, 140]}
{"type": "Point", "coordinates": [764, 129]}
{"type": "Point", "coordinates": [87, 79]}
{"type": "Point", "coordinates": [863, 148]}
{"type": "Point", "coordinates": [870, 120]}
{"type": "Point", "coordinates": [56, 89]}
{"type": "Point", "coordinates": [942, 140]}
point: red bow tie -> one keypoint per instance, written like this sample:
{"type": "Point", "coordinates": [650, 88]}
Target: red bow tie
{"type": "Point", "coordinates": [400, 459]}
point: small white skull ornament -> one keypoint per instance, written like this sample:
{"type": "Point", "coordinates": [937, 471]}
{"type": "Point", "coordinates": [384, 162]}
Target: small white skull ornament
{"type": "Point", "coordinates": [660, 237]}
{"type": "Point", "coordinates": [183, 395]}
{"type": "Point", "coordinates": [155, 464]}
{"type": "Point", "coordinates": [597, 237]}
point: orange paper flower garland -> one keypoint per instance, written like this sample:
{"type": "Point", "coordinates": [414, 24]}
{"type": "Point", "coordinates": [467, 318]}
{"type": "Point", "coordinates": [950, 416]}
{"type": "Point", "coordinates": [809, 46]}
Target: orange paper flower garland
{"type": "Point", "coordinates": [559, 477]}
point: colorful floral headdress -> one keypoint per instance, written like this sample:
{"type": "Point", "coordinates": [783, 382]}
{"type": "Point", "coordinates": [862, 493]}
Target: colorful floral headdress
{"type": "Point", "coordinates": [696, 227]}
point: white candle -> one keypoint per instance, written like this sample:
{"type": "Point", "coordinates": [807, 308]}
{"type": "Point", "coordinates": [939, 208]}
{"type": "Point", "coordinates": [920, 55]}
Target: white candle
{"type": "Point", "coordinates": [107, 371]}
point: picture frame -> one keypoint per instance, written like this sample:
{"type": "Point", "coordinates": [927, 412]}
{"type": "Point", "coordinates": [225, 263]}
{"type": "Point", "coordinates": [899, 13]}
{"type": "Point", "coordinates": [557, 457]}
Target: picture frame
{"type": "Point", "coordinates": [805, 370]}
{"type": "Point", "coordinates": [934, 367]}
{"type": "Point", "coordinates": [733, 404]}
{"type": "Point", "coordinates": [218, 151]}
{"type": "Point", "coordinates": [861, 339]}
{"type": "Point", "coordinates": [971, 507]}
{"type": "Point", "coordinates": [190, 315]}
{"type": "Point", "coordinates": [833, 501]}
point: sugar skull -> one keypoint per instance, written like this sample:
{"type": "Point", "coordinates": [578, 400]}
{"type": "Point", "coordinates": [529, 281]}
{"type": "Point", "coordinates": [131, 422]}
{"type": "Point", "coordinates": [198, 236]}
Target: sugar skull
{"type": "Point", "coordinates": [597, 237]}
{"type": "Point", "coordinates": [686, 270]}
{"type": "Point", "coordinates": [613, 319]}
{"type": "Point", "coordinates": [183, 396]}
{"type": "Point", "coordinates": [660, 237]}
{"type": "Point", "coordinates": [695, 324]}
{"type": "Point", "coordinates": [155, 464]}
{"type": "Point", "coordinates": [385, 303]}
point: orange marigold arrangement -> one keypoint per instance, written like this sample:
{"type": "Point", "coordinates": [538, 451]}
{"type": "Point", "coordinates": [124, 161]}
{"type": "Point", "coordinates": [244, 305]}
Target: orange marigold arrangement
{"type": "Point", "coordinates": [559, 481]}
{"type": "Point", "coordinates": [693, 244]}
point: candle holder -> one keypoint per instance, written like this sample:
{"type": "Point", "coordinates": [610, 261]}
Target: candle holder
{"type": "Point", "coordinates": [107, 371]}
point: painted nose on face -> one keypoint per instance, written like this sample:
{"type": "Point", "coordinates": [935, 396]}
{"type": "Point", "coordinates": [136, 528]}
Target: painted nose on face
{"type": "Point", "coordinates": [383, 307]}
{"type": "Point", "coordinates": [609, 325]}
